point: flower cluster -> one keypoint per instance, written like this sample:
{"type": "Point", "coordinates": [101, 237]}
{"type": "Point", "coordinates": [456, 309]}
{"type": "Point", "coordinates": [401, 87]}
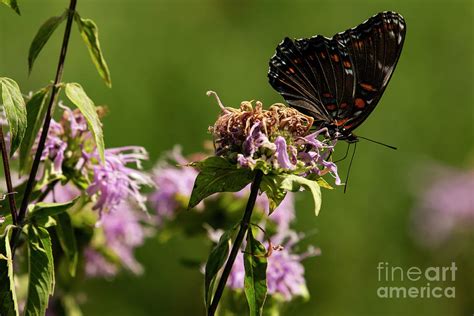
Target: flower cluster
{"type": "Point", "coordinates": [445, 206]}
{"type": "Point", "coordinates": [123, 231]}
{"type": "Point", "coordinates": [112, 186]}
{"type": "Point", "coordinates": [276, 139]}
{"type": "Point", "coordinates": [71, 149]}
{"type": "Point", "coordinates": [285, 272]}
{"type": "Point", "coordinates": [174, 181]}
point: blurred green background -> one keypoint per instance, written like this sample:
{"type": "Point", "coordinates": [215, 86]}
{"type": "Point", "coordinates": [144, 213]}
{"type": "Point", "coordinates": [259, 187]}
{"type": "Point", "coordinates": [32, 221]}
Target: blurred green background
{"type": "Point", "coordinates": [164, 56]}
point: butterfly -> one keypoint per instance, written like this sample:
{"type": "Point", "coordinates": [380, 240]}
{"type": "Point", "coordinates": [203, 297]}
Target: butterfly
{"type": "Point", "coordinates": [339, 80]}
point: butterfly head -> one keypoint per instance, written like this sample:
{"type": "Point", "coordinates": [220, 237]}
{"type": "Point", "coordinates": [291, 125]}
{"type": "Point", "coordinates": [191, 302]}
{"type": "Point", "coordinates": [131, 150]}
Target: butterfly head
{"type": "Point", "coordinates": [341, 133]}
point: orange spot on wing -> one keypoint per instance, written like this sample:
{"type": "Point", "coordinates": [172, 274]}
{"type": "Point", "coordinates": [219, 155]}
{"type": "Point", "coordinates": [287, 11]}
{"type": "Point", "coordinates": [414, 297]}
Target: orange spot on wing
{"type": "Point", "coordinates": [343, 105]}
{"type": "Point", "coordinates": [368, 87]}
{"type": "Point", "coordinates": [291, 70]}
{"type": "Point", "coordinates": [327, 95]}
{"type": "Point", "coordinates": [331, 107]}
{"type": "Point", "coordinates": [335, 58]}
{"type": "Point", "coordinates": [347, 64]}
{"type": "Point", "coordinates": [341, 122]}
{"type": "Point", "coordinates": [359, 103]}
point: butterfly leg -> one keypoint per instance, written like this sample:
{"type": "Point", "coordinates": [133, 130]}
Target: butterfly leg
{"type": "Point", "coordinates": [349, 169]}
{"type": "Point", "coordinates": [345, 155]}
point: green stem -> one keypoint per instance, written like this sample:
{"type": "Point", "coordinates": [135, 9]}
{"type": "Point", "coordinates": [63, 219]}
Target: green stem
{"type": "Point", "coordinates": [244, 226]}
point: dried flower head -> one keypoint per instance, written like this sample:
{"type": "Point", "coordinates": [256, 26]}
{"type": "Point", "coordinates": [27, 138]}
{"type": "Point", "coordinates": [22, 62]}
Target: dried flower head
{"type": "Point", "coordinates": [277, 139]}
{"type": "Point", "coordinates": [234, 125]}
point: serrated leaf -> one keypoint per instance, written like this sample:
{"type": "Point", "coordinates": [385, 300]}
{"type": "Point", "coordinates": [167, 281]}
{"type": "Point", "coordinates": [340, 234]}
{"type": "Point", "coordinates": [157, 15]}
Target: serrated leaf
{"type": "Point", "coordinates": [218, 175]}
{"type": "Point", "coordinates": [13, 4]}
{"type": "Point", "coordinates": [255, 281]}
{"type": "Point", "coordinates": [15, 111]}
{"type": "Point", "coordinates": [77, 95]}
{"type": "Point", "coordinates": [90, 35]}
{"type": "Point", "coordinates": [8, 300]}
{"type": "Point", "coordinates": [41, 271]}
{"type": "Point", "coordinates": [41, 38]}
{"type": "Point", "coordinates": [67, 240]}
{"type": "Point", "coordinates": [215, 262]}
{"type": "Point", "coordinates": [36, 110]}
{"type": "Point", "coordinates": [43, 209]}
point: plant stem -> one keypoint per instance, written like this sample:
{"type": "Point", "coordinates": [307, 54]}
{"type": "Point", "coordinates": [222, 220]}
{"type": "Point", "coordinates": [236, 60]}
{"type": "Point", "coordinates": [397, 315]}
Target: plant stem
{"type": "Point", "coordinates": [244, 225]}
{"type": "Point", "coordinates": [47, 120]}
{"type": "Point", "coordinates": [55, 91]}
{"type": "Point", "coordinates": [8, 178]}
{"type": "Point", "coordinates": [48, 190]}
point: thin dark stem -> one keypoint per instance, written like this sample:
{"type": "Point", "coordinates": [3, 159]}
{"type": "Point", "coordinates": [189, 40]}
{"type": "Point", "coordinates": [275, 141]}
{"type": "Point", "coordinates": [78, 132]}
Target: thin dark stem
{"type": "Point", "coordinates": [48, 190]}
{"type": "Point", "coordinates": [47, 120]}
{"type": "Point", "coordinates": [8, 178]}
{"type": "Point", "coordinates": [244, 225]}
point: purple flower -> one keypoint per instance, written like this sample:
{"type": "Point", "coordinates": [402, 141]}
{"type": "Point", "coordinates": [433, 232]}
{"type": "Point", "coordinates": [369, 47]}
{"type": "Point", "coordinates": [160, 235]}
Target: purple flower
{"type": "Point", "coordinates": [55, 146]}
{"type": "Point", "coordinates": [114, 181]}
{"type": "Point", "coordinates": [445, 205]}
{"type": "Point", "coordinates": [75, 121]}
{"type": "Point", "coordinates": [285, 273]}
{"type": "Point", "coordinates": [63, 193]}
{"type": "Point", "coordinates": [124, 232]}
{"type": "Point", "coordinates": [283, 215]}
{"type": "Point", "coordinates": [256, 140]}
{"type": "Point", "coordinates": [96, 265]}
{"type": "Point", "coordinates": [174, 185]}
{"type": "Point", "coordinates": [282, 154]}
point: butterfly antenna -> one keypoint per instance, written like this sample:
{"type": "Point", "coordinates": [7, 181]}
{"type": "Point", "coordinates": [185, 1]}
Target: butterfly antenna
{"type": "Point", "coordinates": [376, 142]}
{"type": "Point", "coordinates": [349, 169]}
{"type": "Point", "coordinates": [345, 155]}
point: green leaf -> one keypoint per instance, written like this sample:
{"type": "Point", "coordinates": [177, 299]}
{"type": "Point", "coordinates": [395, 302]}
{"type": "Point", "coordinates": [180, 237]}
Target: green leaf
{"type": "Point", "coordinates": [215, 262]}
{"type": "Point", "coordinates": [276, 186]}
{"type": "Point", "coordinates": [90, 35]}
{"type": "Point", "coordinates": [8, 301]}
{"type": "Point", "coordinates": [294, 183]}
{"type": "Point", "coordinates": [77, 95]}
{"type": "Point", "coordinates": [255, 281]}
{"type": "Point", "coordinates": [41, 271]}
{"type": "Point", "coordinates": [12, 4]}
{"type": "Point", "coordinates": [67, 240]}
{"type": "Point", "coordinates": [43, 209]}
{"type": "Point", "coordinates": [218, 175]}
{"type": "Point", "coordinates": [71, 307]}
{"type": "Point", "coordinates": [15, 111]}
{"type": "Point", "coordinates": [36, 110]}
{"type": "Point", "coordinates": [271, 185]}
{"type": "Point", "coordinates": [44, 33]}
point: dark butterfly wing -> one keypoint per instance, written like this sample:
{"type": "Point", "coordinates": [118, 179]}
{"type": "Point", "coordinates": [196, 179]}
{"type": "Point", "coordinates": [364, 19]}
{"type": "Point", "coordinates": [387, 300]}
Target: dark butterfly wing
{"type": "Point", "coordinates": [374, 47]}
{"type": "Point", "coordinates": [339, 80]}
{"type": "Point", "coordinates": [313, 75]}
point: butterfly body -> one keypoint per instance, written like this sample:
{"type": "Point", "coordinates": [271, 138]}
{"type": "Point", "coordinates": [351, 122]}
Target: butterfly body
{"type": "Point", "coordinates": [339, 80]}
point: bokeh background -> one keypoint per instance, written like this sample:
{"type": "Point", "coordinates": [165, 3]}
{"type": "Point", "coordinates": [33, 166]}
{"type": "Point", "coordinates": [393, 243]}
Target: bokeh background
{"type": "Point", "coordinates": [164, 56]}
